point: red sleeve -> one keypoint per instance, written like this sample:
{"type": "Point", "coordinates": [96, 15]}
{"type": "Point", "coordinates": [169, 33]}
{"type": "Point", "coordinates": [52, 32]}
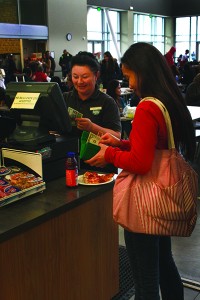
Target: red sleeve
{"type": "Point", "coordinates": [148, 133]}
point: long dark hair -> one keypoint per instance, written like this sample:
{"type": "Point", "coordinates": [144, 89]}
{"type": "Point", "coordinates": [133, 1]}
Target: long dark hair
{"type": "Point", "coordinates": [111, 88]}
{"type": "Point", "coordinates": [155, 79]}
{"type": "Point", "coordinates": [111, 63]}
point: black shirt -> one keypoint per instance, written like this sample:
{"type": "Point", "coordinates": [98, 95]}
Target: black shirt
{"type": "Point", "coordinates": [100, 108]}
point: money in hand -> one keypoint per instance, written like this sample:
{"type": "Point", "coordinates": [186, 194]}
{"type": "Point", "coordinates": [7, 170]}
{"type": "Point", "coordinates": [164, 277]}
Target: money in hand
{"type": "Point", "coordinates": [74, 114]}
{"type": "Point", "coordinates": [93, 138]}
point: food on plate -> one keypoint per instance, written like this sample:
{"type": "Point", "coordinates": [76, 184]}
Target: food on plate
{"type": "Point", "coordinates": [95, 178]}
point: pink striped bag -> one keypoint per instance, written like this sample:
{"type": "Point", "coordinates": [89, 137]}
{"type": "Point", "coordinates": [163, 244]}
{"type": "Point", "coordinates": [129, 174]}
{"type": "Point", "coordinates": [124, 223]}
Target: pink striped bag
{"type": "Point", "coordinates": [163, 201]}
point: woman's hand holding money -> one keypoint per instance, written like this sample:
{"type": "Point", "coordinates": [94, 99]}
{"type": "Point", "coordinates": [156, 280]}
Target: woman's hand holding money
{"type": "Point", "coordinates": [110, 139]}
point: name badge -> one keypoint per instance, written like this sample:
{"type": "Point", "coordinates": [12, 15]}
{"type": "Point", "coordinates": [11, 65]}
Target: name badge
{"type": "Point", "coordinates": [96, 110]}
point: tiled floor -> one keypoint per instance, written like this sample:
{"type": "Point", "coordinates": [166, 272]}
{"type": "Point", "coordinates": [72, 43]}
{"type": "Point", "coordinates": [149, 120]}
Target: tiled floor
{"type": "Point", "coordinates": [189, 294]}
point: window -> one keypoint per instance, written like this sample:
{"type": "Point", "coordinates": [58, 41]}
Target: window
{"type": "Point", "coordinates": [187, 36]}
{"type": "Point", "coordinates": [94, 25]}
{"type": "Point", "coordinates": [182, 35]}
{"type": "Point", "coordinates": [150, 29]}
{"type": "Point", "coordinates": [101, 26]}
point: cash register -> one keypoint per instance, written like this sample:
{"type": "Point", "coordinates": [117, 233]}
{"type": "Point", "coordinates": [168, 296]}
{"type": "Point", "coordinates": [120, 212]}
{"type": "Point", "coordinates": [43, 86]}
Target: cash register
{"type": "Point", "coordinates": [42, 124]}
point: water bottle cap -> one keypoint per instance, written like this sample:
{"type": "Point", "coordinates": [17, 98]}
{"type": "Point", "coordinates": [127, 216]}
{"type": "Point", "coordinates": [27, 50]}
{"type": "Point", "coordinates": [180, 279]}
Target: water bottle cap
{"type": "Point", "coordinates": [71, 154]}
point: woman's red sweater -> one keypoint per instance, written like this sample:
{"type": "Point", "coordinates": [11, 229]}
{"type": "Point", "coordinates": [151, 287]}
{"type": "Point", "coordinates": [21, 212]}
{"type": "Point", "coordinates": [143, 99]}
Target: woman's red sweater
{"type": "Point", "coordinates": [148, 133]}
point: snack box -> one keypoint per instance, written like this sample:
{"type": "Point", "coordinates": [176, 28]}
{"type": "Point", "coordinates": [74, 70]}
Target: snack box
{"type": "Point", "coordinates": [20, 175]}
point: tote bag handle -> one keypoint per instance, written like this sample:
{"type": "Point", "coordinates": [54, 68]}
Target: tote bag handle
{"type": "Point", "coordinates": [171, 144]}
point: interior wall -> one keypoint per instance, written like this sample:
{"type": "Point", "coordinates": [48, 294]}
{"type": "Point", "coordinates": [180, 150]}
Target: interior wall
{"type": "Point", "coordinates": [66, 16]}
{"type": "Point", "coordinates": [126, 30]}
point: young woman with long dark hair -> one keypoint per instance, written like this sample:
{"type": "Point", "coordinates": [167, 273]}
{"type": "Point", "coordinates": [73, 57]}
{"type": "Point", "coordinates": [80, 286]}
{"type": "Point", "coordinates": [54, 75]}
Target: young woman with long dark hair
{"type": "Point", "coordinates": [150, 76]}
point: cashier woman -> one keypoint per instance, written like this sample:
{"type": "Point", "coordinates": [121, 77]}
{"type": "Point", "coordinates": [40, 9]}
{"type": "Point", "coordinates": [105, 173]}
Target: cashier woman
{"type": "Point", "coordinates": [90, 109]}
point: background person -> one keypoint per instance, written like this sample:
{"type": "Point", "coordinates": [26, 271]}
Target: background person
{"type": "Point", "coordinates": [40, 75]}
{"type": "Point", "coordinates": [185, 57]}
{"type": "Point", "coordinates": [28, 74]}
{"type": "Point", "coordinates": [64, 62]}
{"type": "Point", "coordinates": [46, 62]}
{"type": "Point", "coordinates": [170, 60]}
{"type": "Point", "coordinates": [114, 90]}
{"type": "Point", "coordinates": [61, 84]}
{"type": "Point", "coordinates": [150, 256]}
{"type": "Point", "coordinates": [109, 69]}
{"type": "Point", "coordinates": [192, 95]}
{"type": "Point", "coordinates": [11, 69]}
{"type": "Point", "coordinates": [2, 81]}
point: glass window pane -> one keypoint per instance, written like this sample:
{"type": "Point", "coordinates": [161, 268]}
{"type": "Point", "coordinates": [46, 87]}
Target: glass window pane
{"type": "Point", "coordinates": [94, 36]}
{"type": "Point", "coordinates": [89, 47]}
{"type": "Point", "coordinates": [150, 29]}
{"type": "Point", "coordinates": [94, 24]}
{"type": "Point", "coordinates": [97, 47]}
{"type": "Point", "coordinates": [98, 29]}
{"type": "Point", "coordinates": [183, 26]}
{"type": "Point", "coordinates": [94, 20]}
{"type": "Point", "coordinates": [187, 29]}
{"type": "Point", "coordinates": [193, 28]}
{"type": "Point", "coordinates": [113, 18]}
{"type": "Point", "coordinates": [159, 25]}
{"type": "Point", "coordinates": [198, 29]}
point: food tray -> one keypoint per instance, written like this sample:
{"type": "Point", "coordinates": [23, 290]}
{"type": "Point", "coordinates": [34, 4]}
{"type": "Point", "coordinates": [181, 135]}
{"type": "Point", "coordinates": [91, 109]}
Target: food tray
{"type": "Point", "coordinates": [26, 163]}
{"type": "Point", "coordinates": [22, 194]}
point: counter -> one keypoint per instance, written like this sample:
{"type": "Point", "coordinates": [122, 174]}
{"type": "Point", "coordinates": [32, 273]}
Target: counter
{"type": "Point", "coordinates": [61, 244]}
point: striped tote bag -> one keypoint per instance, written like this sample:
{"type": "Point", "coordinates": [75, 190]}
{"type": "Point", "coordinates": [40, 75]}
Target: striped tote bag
{"type": "Point", "coordinates": [163, 201]}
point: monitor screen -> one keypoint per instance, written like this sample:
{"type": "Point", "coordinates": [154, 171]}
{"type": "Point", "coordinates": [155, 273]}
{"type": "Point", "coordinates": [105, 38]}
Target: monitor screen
{"type": "Point", "coordinates": [48, 114]}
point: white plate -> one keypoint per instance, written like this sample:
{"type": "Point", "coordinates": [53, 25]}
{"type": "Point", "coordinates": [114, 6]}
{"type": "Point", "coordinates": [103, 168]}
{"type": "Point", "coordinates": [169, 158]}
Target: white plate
{"type": "Point", "coordinates": [80, 181]}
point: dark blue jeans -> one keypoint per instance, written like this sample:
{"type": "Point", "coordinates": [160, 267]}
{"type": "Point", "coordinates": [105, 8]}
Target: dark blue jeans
{"type": "Point", "coordinates": [153, 266]}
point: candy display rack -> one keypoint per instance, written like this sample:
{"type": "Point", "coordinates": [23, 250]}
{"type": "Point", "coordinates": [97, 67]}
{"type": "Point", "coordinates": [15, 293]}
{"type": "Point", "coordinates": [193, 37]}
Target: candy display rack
{"type": "Point", "coordinates": [29, 162]}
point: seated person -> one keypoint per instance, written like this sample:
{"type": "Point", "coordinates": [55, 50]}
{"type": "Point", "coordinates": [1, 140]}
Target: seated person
{"type": "Point", "coordinates": [192, 96]}
{"type": "Point", "coordinates": [28, 74]}
{"type": "Point", "coordinates": [114, 90]}
{"type": "Point", "coordinates": [61, 84]}
{"type": "Point", "coordinates": [94, 110]}
{"type": "Point", "coordinates": [39, 75]}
